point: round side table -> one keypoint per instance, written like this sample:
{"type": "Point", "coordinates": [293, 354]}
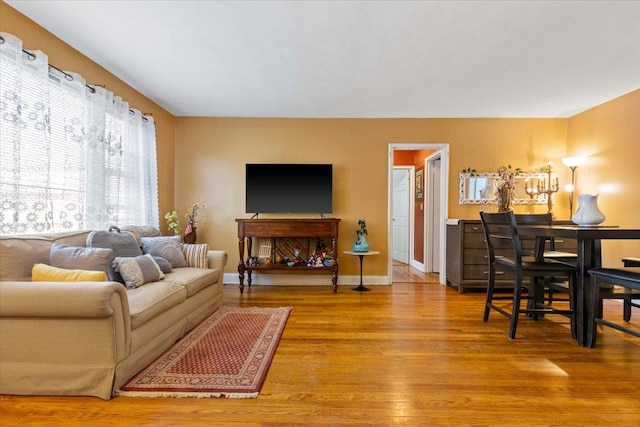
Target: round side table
{"type": "Point", "coordinates": [361, 287]}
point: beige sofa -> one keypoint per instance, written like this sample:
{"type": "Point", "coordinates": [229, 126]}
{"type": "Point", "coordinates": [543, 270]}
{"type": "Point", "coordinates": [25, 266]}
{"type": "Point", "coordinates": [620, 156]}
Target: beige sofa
{"type": "Point", "coordinates": [89, 338]}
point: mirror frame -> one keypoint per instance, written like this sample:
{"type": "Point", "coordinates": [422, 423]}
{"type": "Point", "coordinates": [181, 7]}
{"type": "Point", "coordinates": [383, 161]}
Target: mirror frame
{"type": "Point", "coordinates": [540, 199]}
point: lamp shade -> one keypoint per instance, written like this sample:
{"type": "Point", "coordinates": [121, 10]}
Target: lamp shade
{"type": "Point", "coordinates": [572, 161]}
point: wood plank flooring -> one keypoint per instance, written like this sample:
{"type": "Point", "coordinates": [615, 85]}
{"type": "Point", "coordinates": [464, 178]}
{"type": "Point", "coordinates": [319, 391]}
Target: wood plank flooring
{"type": "Point", "coordinates": [410, 354]}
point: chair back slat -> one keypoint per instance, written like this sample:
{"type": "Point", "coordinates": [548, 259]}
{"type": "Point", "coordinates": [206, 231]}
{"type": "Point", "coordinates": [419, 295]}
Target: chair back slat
{"type": "Point", "coordinates": [537, 219]}
{"type": "Point", "coordinates": [501, 233]}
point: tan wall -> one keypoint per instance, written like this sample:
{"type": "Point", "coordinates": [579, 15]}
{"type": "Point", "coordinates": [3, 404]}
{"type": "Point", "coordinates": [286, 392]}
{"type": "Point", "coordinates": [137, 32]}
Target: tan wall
{"type": "Point", "coordinates": [212, 153]}
{"type": "Point", "coordinates": [63, 56]}
{"type": "Point", "coordinates": [609, 136]}
{"type": "Point", "coordinates": [206, 156]}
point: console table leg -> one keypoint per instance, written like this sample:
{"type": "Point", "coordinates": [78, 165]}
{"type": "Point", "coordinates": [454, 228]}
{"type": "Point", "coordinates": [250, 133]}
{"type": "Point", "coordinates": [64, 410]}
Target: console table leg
{"type": "Point", "coordinates": [241, 270]}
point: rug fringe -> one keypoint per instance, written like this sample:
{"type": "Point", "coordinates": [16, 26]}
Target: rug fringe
{"type": "Point", "coordinates": [120, 393]}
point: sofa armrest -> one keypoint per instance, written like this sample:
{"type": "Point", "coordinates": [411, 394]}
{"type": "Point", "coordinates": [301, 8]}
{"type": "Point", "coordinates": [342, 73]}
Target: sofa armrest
{"type": "Point", "coordinates": [217, 260]}
{"type": "Point", "coordinates": [62, 300]}
{"type": "Point", "coordinates": [62, 338]}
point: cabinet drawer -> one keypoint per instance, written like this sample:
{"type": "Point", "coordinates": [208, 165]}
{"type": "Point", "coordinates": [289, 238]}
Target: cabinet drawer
{"type": "Point", "coordinates": [474, 240]}
{"type": "Point", "coordinates": [481, 272]}
{"type": "Point", "coordinates": [473, 228]}
{"type": "Point", "coordinates": [475, 256]}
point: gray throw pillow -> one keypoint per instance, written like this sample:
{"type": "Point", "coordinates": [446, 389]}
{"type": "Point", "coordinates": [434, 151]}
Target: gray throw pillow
{"type": "Point", "coordinates": [164, 265]}
{"type": "Point", "coordinates": [80, 258]}
{"type": "Point", "coordinates": [142, 230]}
{"type": "Point", "coordinates": [168, 247]}
{"type": "Point", "coordinates": [122, 244]}
{"type": "Point", "coordinates": [136, 271]}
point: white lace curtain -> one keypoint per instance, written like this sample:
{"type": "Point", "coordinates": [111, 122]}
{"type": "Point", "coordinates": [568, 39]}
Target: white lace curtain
{"type": "Point", "coordinates": [71, 157]}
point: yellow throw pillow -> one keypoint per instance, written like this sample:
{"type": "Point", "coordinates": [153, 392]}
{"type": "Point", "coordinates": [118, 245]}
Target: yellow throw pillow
{"type": "Point", "coordinates": [46, 273]}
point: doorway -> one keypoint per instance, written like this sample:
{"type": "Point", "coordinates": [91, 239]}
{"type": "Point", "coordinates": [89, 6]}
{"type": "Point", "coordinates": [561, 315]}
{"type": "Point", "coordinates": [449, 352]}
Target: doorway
{"type": "Point", "coordinates": [402, 214]}
{"type": "Point", "coordinates": [430, 209]}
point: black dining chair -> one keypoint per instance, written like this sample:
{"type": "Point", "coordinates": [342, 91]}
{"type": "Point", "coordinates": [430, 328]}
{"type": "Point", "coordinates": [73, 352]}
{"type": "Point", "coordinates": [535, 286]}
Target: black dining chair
{"type": "Point", "coordinates": [546, 219]}
{"type": "Point", "coordinates": [505, 253]}
{"type": "Point", "coordinates": [550, 252]}
{"type": "Point", "coordinates": [628, 296]}
{"type": "Point", "coordinates": [620, 281]}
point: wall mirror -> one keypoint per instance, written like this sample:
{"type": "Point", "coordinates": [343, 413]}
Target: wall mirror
{"type": "Point", "coordinates": [480, 188]}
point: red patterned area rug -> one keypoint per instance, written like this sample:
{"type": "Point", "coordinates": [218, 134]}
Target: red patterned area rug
{"type": "Point", "coordinates": [227, 355]}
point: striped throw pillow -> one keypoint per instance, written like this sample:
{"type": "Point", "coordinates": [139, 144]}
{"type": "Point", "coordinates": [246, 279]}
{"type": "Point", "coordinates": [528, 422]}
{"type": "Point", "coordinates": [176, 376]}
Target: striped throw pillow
{"type": "Point", "coordinates": [196, 254]}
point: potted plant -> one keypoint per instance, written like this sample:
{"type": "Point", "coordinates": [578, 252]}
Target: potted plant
{"type": "Point", "coordinates": [173, 222]}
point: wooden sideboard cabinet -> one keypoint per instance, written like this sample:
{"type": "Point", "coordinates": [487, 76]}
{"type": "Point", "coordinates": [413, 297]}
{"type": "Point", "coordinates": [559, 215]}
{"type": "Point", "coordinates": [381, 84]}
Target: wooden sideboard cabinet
{"type": "Point", "coordinates": [467, 266]}
{"type": "Point", "coordinates": [283, 236]}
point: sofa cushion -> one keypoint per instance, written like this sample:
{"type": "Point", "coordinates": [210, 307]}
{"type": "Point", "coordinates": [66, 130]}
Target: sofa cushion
{"type": "Point", "coordinates": [123, 244]}
{"type": "Point", "coordinates": [193, 279]}
{"type": "Point", "coordinates": [77, 257]}
{"type": "Point", "coordinates": [47, 273]}
{"type": "Point", "coordinates": [167, 247]}
{"type": "Point", "coordinates": [164, 265]}
{"type": "Point", "coordinates": [18, 254]}
{"type": "Point", "coordinates": [196, 254]}
{"type": "Point", "coordinates": [153, 299]}
{"type": "Point", "coordinates": [136, 271]}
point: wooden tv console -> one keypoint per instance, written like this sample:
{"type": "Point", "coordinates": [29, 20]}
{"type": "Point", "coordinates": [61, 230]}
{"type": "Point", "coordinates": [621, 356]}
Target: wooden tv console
{"type": "Point", "coordinates": [283, 234]}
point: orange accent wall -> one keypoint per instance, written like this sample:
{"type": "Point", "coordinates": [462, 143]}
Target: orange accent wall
{"type": "Point", "coordinates": [404, 157]}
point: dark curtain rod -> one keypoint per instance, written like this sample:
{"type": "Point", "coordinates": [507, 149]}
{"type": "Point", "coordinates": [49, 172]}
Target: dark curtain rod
{"type": "Point", "coordinates": [69, 77]}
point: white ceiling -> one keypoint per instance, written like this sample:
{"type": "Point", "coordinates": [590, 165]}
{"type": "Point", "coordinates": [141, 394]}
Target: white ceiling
{"type": "Point", "coordinates": [358, 58]}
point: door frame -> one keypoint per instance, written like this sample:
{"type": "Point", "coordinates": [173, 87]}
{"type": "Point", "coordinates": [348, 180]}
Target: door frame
{"type": "Point", "coordinates": [429, 245]}
{"type": "Point", "coordinates": [443, 148]}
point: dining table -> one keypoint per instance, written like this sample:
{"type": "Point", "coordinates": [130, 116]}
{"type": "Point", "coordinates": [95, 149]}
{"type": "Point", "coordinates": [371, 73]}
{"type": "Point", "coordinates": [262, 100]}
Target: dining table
{"type": "Point", "coordinates": [589, 255]}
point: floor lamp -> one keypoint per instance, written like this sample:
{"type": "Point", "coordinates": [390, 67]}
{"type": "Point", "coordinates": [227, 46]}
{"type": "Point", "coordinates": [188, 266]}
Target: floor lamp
{"type": "Point", "coordinates": [572, 163]}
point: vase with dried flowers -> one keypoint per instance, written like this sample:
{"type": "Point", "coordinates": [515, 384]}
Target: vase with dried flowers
{"type": "Point", "coordinates": [192, 215]}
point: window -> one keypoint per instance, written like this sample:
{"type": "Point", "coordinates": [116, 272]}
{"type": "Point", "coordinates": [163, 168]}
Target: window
{"type": "Point", "coordinates": [71, 157]}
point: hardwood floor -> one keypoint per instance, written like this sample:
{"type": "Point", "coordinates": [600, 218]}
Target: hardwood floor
{"type": "Point", "coordinates": [410, 354]}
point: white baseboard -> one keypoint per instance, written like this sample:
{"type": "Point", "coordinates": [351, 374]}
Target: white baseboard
{"type": "Point", "coordinates": [304, 279]}
{"type": "Point", "coordinates": [420, 266]}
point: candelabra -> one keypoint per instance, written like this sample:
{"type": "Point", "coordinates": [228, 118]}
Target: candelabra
{"type": "Point", "coordinates": [530, 189]}
{"type": "Point", "coordinates": [553, 187]}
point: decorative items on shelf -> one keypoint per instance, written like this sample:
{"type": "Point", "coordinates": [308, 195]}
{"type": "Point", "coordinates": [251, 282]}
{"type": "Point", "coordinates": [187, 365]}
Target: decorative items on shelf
{"type": "Point", "coordinates": [588, 213]}
{"type": "Point", "coordinates": [320, 259]}
{"type": "Point", "coordinates": [296, 254]}
{"type": "Point", "coordinates": [361, 244]}
{"type": "Point", "coordinates": [549, 189]}
{"type": "Point", "coordinates": [506, 188]}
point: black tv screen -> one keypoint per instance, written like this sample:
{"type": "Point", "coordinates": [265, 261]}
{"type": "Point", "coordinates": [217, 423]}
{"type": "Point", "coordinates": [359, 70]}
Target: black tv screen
{"type": "Point", "coordinates": [289, 188]}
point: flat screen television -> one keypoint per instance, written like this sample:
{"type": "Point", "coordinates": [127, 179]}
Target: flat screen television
{"type": "Point", "coordinates": [289, 188]}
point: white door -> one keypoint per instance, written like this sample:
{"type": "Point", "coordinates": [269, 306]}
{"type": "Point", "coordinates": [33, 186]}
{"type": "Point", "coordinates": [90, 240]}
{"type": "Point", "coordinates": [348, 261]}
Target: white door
{"type": "Point", "coordinates": [401, 178]}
